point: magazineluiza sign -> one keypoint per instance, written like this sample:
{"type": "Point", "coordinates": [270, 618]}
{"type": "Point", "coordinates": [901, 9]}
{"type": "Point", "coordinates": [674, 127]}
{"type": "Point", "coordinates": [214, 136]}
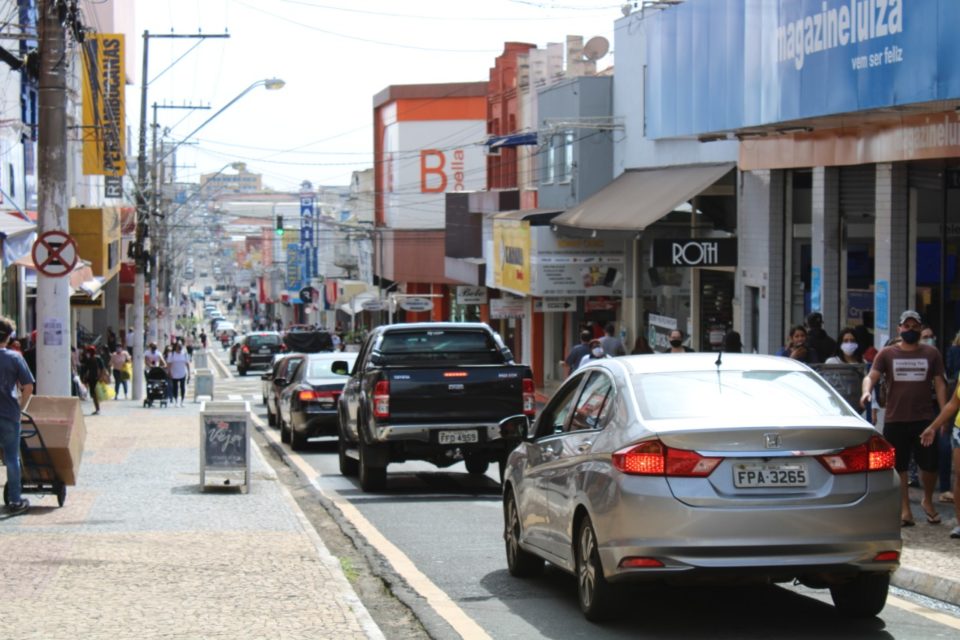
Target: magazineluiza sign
{"type": "Point", "coordinates": [695, 252]}
{"type": "Point", "coordinates": [768, 62]}
{"type": "Point", "coordinates": [838, 26]}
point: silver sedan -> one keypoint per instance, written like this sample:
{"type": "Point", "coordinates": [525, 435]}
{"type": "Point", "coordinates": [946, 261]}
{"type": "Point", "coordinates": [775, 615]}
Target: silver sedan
{"type": "Point", "coordinates": [688, 468]}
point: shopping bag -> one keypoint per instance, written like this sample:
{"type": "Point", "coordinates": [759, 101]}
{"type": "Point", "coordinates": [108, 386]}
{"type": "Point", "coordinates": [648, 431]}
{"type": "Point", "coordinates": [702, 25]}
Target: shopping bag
{"type": "Point", "coordinates": [105, 375]}
{"type": "Point", "coordinates": [104, 391]}
{"type": "Point", "coordinates": [127, 370]}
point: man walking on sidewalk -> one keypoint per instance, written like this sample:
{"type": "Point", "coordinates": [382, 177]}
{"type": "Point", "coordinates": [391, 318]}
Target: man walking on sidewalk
{"type": "Point", "coordinates": [13, 374]}
{"type": "Point", "coordinates": [909, 368]}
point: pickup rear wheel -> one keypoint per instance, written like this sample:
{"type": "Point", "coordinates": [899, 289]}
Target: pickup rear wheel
{"type": "Point", "coordinates": [477, 464]}
{"type": "Point", "coordinates": [371, 478]}
{"type": "Point", "coordinates": [348, 466]}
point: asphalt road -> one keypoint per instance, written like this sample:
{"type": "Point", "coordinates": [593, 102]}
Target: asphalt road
{"type": "Point", "coordinates": [438, 537]}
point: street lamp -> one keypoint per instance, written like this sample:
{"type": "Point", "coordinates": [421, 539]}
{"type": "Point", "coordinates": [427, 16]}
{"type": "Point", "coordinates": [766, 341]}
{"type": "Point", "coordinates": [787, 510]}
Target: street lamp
{"type": "Point", "coordinates": [164, 250]}
{"type": "Point", "coordinates": [142, 229]}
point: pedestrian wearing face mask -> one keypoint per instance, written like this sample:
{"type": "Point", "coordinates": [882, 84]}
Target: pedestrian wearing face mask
{"type": "Point", "coordinates": [596, 353]}
{"type": "Point", "coordinates": [910, 368]}
{"type": "Point", "coordinates": [676, 342]}
{"type": "Point", "coordinates": [944, 460]}
{"type": "Point", "coordinates": [848, 349]}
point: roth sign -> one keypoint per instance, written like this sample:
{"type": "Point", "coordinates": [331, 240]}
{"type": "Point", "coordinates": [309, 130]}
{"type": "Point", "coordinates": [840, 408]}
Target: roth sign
{"type": "Point", "coordinates": [695, 252]}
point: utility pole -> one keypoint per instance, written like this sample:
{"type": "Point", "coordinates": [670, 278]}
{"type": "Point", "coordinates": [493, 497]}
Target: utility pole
{"type": "Point", "coordinates": [157, 168]}
{"type": "Point", "coordinates": [53, 293]}
{"type": "Point", "coordinates": [139, 250]}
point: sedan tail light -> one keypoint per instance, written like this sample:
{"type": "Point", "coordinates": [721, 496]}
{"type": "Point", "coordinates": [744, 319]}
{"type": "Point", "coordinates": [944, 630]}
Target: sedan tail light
{"type": "Point", "coordinates": [381, 399]}
{"type": "Point", "coordinates": [245, 349]}
{"type": "Point", "coordinates": [653, 458]}
{"type": "Point", "coordinates": [312, 395]}
{"type": "Point", "coordinates": [876, 454]}
{"type": "Point", "coordinates": [529, 397]}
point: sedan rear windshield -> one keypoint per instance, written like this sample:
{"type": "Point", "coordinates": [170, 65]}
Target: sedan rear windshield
{"type": "Point", "coordinates": [259, 341]}
{"type": "Point", "coordinates": [737, 394]}
{"type": "Point", "coordinates": [461, 347]}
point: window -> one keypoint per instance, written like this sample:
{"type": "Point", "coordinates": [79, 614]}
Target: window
{"type": "Point", "coordinates": [554, 416]}
{"type": "Point", "coordinates": [546, 155]}
{"type": "Point", "coordinates": [594, 404]}
{"type": "Point", "coordinates": [564, 160]}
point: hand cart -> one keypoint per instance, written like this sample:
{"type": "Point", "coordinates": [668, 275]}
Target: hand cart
{"type": "Point", "coordinates": [37, 473]}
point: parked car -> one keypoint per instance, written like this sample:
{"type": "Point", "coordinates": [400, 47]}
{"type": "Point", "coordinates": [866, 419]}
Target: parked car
{"type": "Point", "coordinates": [697, 467]}
{"type": "Point", "coordinates": [275, 379]}
{"type": "Point", "coordinates": [434, 391]}
{"type": "Point", "coordinates": [256, 350]}
{"type": "Point", "coordinates": [307, 405]}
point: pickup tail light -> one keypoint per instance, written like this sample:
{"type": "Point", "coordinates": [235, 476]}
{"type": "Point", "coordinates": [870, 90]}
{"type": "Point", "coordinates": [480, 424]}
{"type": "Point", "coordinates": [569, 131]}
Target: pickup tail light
{"type": "Point", "coordinates": [381, 400]}
{"type": "Point", "coordinates": [876, 454]}
{"type": "Point", "coordinates": [653, 458]}
{"type": "Point", "coordinates": [529, 397]}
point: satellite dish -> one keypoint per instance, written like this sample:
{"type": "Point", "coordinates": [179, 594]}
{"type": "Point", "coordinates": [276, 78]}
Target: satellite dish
{"type": "Point", "coordinates": [596, 48]}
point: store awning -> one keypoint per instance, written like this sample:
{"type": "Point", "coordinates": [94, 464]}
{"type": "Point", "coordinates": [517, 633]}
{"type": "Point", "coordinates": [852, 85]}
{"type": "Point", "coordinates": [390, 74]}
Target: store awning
{"type": "Point", "coordinates": [512, 140]}
{"type": "Point", "coordinates": [525, 214]}
{"type": "Point", "coordinates": [83, 284]}
{"type": "Point", "coordinates": [638, 198]}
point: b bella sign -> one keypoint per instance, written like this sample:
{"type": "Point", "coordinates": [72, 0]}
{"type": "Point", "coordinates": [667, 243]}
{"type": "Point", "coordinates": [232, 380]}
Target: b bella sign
{"type": "Point", "coordinates": [695, 252]}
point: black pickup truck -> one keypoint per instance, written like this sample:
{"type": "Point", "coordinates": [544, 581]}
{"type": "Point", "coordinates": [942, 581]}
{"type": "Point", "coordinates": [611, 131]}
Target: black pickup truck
{"type": "Point", "coordinates": [439, 391]}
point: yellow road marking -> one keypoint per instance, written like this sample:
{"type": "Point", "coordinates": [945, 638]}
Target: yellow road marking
{"type": "Point", "coordinates": [446, 608]}
{"type": "Point", "coordinates": [931, 614]}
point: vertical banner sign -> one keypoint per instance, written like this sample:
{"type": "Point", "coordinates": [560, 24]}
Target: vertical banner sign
{"type": "Point", "coordinates": [104, 124]}
{"type": "Point", "coordinates": [307, 243]}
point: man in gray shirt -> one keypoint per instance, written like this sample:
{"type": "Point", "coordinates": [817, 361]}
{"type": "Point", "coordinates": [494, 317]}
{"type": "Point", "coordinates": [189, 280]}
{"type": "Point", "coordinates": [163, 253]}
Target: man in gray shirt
{"type": "Point", "coordinates": [14, 377]}
{"type": "Point", "coordinates": [612, 345]}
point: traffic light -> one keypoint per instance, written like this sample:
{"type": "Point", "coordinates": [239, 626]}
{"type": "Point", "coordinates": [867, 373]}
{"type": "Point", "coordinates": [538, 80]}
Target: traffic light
{"type": "Point", "coordinates": [279, 227]}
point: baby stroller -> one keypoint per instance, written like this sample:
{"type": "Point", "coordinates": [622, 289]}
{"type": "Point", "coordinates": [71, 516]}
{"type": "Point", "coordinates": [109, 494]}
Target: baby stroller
{"type": "Point", "coordinates": [157, 385]}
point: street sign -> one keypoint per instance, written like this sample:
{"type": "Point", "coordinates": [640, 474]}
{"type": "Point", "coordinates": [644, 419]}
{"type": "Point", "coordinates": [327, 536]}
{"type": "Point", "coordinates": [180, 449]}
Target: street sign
{"type": "Point", "coordinates": [54, 253]}
{"type": "Point", "coordinates": [553, 305]}
{"type": "Point", "coordinates": [372, 305]}
{"type": "Point", "coordinates": [415, 304]}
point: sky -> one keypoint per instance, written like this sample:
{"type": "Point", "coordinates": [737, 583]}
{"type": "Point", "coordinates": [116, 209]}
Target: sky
{"type": "Point", "coordinates": [334, 56]}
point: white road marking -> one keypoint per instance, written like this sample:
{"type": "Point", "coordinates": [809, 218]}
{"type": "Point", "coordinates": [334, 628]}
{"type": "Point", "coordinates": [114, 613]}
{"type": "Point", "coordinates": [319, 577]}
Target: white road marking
{"type": "Point", "coordinates": [439, 601]}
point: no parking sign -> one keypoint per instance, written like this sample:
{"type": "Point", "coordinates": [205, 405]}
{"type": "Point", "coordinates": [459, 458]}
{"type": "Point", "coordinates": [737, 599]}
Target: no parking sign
{"type": "Point", "coordinates": [54, 254]}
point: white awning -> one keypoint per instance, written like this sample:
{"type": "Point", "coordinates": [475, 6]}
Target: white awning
{"type": "Point", "coordinates": [638, 198]}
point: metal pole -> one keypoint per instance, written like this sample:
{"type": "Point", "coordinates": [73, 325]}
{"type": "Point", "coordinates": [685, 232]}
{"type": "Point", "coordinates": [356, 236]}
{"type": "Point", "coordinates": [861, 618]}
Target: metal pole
{"type": "Point", "coordinates": [53, 293]}
{"type": "Point", "coordinates": [155, 253]}
{"type": "Point", "coordinates": [137, 383]}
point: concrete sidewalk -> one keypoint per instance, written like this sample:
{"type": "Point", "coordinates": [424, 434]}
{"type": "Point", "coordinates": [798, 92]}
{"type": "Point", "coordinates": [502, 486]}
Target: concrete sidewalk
{"type": "Point", "coordinates": [137, 551]}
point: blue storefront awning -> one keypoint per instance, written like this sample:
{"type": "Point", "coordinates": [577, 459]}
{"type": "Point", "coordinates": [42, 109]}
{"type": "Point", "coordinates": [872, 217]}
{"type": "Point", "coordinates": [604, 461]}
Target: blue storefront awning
{"type": "Point", "coordinates": [512, 140]}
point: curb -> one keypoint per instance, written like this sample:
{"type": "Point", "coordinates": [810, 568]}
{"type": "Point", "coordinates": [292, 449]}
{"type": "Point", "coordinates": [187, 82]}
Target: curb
{"type": "Point", "coordinates": [926, 584]}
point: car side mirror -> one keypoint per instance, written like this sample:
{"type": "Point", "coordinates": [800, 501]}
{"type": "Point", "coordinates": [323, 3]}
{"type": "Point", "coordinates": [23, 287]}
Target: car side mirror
{"type": "Point", "coordinates": [375, 360]}
{"type": "Point", "coordinates": [280, 382]}
{"type": "Point", "coordinates": [340, 367]}
{"type": "Point", "coordinates": [515, 427]}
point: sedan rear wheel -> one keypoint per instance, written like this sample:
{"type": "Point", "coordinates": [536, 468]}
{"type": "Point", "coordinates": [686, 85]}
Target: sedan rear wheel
{"type": "Point", "coordinates": [284, 430]}
{"type": "Point", "coordinates": [520, 563]}
{"type": "Point", "coordinates": [593, 590]}
{"type": "Point", "coordinates": [298, 441]}
{"type": "Point", "coordinates": [271, 417]}
{"type": "Point", "coordinates": [863, 597]}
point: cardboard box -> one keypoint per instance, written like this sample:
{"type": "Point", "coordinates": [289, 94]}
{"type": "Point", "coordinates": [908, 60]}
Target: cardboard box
{"type": "Point", "coordinates": [60, 421]}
